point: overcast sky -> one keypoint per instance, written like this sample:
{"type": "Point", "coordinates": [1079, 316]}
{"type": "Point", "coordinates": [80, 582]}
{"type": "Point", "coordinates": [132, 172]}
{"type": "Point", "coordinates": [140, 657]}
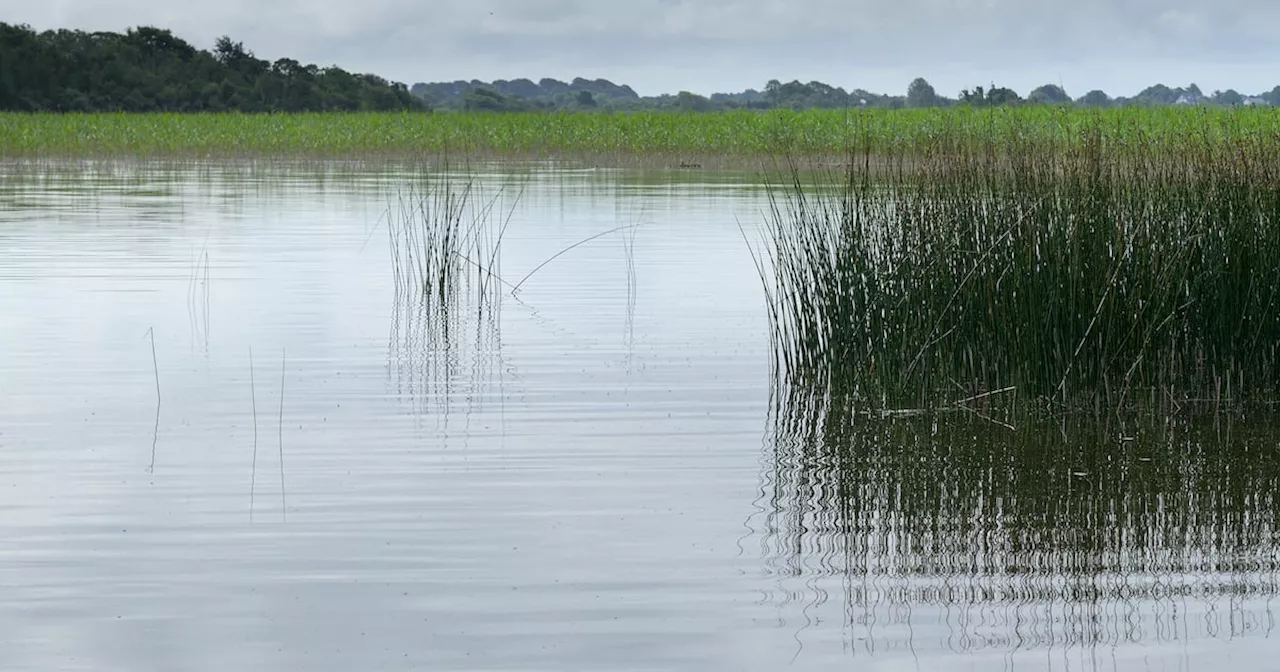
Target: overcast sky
{"type": "Point", "coordinates": [661, 46]}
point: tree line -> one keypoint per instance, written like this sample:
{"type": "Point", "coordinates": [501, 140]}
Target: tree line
{"type": "Point", "coordinates": [522, 95]}
{"type": "Point", "coordinates": [149, 69]}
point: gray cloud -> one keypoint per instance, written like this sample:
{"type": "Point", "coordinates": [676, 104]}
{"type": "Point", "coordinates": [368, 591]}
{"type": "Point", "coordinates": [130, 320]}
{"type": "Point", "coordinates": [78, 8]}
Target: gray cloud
{"type": "Point", "coordinates": [705, 45]}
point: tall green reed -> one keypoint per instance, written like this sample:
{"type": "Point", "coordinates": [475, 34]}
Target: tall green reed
{"type": "Point", "coordinates": [1076, 271]}
{"type": "Point", "coordinates": [445, 239]}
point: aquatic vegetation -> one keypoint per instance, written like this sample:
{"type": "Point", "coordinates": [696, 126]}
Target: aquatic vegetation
{"type": "Point", "coordinates": [445, 236]}
{"type": "Point", "coordinates": [626, 136]}
{"type": "Point", "coordinates": [1090, 271]}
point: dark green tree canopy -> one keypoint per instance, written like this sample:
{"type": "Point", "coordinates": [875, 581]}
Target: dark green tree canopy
{"type": "Point", "coordinates": [1228, 97]}
{"type": "Point", "coordinates": [1049, 94]}
{"type": "Point", "coordinates": [920, 93]}
{"type": "Point", "coordinates": [692, 102]}
{"type": "Point", "coordinates": [1095, 98]}
{"type": "Point", "coordinates": [990, 97]}
{"type": "Point", "coordinates": [150, 69]}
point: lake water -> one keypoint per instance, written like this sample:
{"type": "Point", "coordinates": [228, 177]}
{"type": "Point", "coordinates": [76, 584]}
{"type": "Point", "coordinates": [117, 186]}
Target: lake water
{"type": "Point", "coordinates": [227, 441]}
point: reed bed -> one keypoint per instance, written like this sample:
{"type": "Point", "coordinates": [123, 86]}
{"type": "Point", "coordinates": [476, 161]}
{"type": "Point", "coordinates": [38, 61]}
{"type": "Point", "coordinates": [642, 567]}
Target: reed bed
{"type": "Point", "coordinates": [624, 136]}
{"type": "Point", "coordinates": [1090, 271]}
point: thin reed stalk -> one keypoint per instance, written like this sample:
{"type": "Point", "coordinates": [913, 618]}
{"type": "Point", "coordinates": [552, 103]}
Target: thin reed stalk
{"type": "Point", "coordinates": [253, 468]}
{"type": "Point", "coordinates": [284, 508]}
{"type": "Point", "coordinates": [155, 433]}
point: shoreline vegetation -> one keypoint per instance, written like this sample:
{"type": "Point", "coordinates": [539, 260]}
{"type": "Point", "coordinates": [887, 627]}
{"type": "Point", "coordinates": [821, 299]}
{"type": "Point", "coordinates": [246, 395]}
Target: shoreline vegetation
{"type": "Point", "coordinates": [1094, 271]}
{"type": "Point", "coordinates": [739, 139]}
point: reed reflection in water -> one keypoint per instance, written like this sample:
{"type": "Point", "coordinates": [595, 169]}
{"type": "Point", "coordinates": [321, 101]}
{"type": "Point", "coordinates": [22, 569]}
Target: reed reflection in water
{"type": "Point", "coordinates": [952, 533]}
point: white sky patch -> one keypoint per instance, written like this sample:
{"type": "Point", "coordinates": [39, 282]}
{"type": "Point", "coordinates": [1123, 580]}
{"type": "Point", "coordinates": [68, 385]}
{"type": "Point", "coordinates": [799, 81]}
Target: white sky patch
{"type": "Point", "coordinates": [1181, 22]}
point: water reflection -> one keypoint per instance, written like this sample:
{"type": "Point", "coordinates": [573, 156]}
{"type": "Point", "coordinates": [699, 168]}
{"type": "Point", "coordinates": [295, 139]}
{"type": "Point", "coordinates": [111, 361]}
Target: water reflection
{"type": "Point", "coordinates": [951, 531]}
{"type": "Point", "coordinates": [438, 352]}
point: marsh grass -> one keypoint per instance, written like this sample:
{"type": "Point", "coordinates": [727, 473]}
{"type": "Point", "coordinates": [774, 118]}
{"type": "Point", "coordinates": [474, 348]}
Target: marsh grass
{"type": "Point", "coordinates": [1082, 273]}
{"type": "Point", "coordinates": [625, 139]}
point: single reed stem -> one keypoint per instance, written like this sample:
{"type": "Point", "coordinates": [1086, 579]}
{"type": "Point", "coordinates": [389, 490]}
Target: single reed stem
{"type": "Point", "coordinates": [155, 435]}
{"type": "Point", "coordinates": [253, 398]}
{"type": "Point", "coordinates": [555, 256]}
{"type": "Point", "coordinates": [284, 515]}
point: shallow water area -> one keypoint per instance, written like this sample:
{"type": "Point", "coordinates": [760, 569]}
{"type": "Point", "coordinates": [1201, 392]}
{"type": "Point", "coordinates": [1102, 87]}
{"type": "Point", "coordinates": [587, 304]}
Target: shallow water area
{"type": "Point", "coordinates": [230, 441]}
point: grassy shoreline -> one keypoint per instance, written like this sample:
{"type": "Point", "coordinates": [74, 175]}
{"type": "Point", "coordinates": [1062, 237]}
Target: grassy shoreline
{"type": "Point", "coordinates": [693, 140]}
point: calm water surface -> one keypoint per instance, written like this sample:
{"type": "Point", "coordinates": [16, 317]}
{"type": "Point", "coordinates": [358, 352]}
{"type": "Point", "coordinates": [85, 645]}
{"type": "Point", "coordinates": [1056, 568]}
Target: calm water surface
{"type": "Point", "coordinates": [593, 474]}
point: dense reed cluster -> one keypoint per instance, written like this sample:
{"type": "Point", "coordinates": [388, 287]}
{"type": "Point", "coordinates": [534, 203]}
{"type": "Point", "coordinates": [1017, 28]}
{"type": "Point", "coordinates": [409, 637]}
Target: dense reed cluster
{"type": "Point", "coordinates": [623, 136]}
{"type": "Point", "coordinates": [1092, 270]}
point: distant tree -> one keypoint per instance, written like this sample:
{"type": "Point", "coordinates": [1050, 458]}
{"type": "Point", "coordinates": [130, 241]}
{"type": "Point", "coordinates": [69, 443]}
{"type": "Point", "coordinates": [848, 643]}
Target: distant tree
{"type": "Point", "coordinates": [773, 92]}
{"type": "Point", "coordinates": [823, 95]}
{"type": "Point", "coordinates": [1002, 96]}
{"type": "Point", "coordinates": [230, 53]}
{"type": "Point", "coordinates": [749, 99]}
{"type": "Point", "coordinates": [1157, 94]}
{"type": "Point", "coordinates": [1049, 94]}
{"type": "Point", "coordinates": [157, 42]}
{"type": "Point", "coordinates": [796, 95]}
{"type": "Point", "coordinates": [488, 100]}
{"type": "Point", "coordinates": [1228, 97]}
{"type": "Point", "coordinates": [921, 94]}
{"type": "Point", "coordinates": [523, 88]}
{"type": "Point", "coordinates": [692, 102]}
{"type": "Point", "coordinates": [990, 97]}
{"type": "Point", "coordinates": [976, 98]}
{"type": "Point", "coordinates": [585, 99]}
{"type": "Point", "coordinates": [1095, 98]}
